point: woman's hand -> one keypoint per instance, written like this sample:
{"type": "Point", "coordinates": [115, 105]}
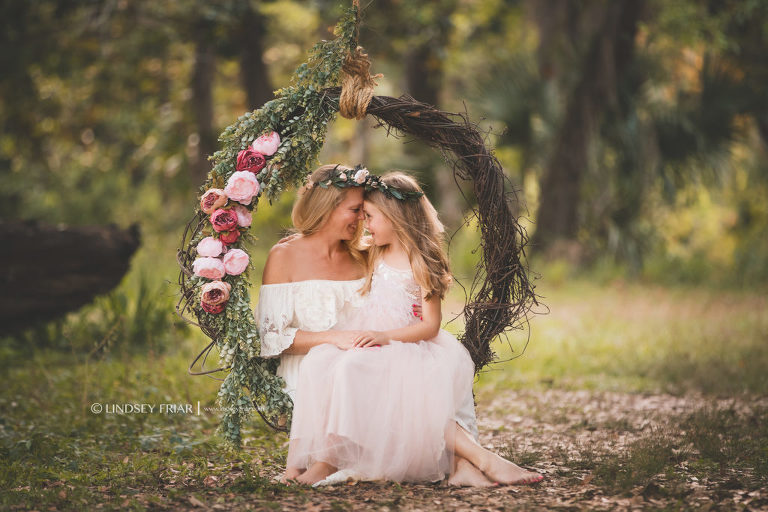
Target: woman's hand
{"type": "Point", "coordinates": [371, 339]}
{"type": "Point", "coordinates": [345, 340]}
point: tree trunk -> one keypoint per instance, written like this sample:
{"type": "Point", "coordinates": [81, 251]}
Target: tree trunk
{"type": "Point", "coordinates": [253, 71]}
{"type": "Point", "coordinates": [608, 55]}
{"type": "Point", "coordinates": [424, 77]}
{"type": "Point", "coordinates": [48, 271]}
{"type": "Point", "coordinates": [202, 103]}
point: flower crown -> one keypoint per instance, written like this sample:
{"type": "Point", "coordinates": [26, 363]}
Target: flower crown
{"type": "Point", "coordinates": [361, 177]}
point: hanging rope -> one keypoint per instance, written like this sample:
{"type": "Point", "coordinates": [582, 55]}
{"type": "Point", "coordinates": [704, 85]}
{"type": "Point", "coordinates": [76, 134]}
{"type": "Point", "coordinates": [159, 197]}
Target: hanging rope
{"type": "Point", "coordinates": [356, 85]}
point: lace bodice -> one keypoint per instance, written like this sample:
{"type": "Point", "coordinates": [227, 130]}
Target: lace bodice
{"type": "Point", "coordinates": [313, 305]}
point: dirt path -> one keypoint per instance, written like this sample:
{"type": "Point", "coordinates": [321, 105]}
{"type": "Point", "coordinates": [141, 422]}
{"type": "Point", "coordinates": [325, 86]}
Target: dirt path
{"type": "Point", "coordinates": [598, 451]}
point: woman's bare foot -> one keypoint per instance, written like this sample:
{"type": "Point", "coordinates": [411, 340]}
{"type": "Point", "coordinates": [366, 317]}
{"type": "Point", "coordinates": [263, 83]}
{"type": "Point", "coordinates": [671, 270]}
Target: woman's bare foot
{"type": "Point", "coordinates": [501, 470]}
{"type": "Point", "coordinates": [316, 472]}
{"type": "Point", "coordinates": [467, 475]}
{"type": "Point", "coordinates": [290, 475]}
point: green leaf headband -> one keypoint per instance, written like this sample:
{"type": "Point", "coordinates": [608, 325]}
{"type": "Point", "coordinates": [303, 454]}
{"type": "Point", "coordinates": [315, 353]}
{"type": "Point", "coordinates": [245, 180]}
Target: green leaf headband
{"type": "Point", "coordinates": [361, 177]}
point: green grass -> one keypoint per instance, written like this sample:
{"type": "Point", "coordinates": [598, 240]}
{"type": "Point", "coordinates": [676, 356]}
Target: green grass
{"type": "Point", "coordinates": [622, 337]}
{"type": "Point", "coordinates": [634, 337]}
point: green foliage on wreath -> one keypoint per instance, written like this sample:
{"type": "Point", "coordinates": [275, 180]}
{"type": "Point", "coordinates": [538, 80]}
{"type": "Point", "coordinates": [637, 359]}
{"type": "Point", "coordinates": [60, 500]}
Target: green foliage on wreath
{"type": "Point", "coordinates": [300, 117]}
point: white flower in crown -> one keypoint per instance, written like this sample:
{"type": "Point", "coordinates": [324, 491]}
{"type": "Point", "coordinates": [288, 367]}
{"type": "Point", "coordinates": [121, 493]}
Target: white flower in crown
{"type": "Point", "coordinates": [361, 175]}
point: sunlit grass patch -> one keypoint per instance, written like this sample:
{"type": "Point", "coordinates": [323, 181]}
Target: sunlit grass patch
{"type": "Point", "coordinates": [634, 337]}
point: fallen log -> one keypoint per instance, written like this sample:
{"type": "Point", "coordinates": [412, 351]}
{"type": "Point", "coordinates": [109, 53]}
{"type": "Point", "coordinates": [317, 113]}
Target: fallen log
{"type": "Point", "coordinates": [47, 271]}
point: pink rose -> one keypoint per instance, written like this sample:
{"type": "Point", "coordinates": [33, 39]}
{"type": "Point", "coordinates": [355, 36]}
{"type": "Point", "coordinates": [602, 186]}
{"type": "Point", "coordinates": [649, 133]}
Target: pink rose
{"type": "Point", "coordinates": [242, 186]}
{"type": "Point", "coordinates": [229, 237]}
{"type": "Point", "coordinates": [212, 199]}
{"type": "Point", "coordinates": [210, 268]}
{"type": "Point", "coordinates": [267, 144]}
{"type": "Point", "coordinates": [235, 261]}
{"type": "Point", "coordinates": [215, 293]}
{"type": "Point", "coordinates": [224, 220]}
{"type": "Point", "coordinates": [209, 247]}
{"type": "Point", "coordinates": [250, 160]}
{"type": "Point", "coordinates": [361, 175]}
{"type": "Point", "coordinates": [244, 216]}
{"type": "Point", "coordinates": [214, 310]}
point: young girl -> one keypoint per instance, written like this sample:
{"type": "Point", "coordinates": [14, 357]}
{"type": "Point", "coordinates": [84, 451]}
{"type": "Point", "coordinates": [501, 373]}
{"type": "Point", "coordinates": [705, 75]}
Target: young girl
{"type": "Point", "coordinates": [386, 409]}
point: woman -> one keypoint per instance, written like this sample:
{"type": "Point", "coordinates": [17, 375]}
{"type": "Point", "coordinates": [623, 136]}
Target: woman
{"type": "Point", "coordinates": [308, 284]}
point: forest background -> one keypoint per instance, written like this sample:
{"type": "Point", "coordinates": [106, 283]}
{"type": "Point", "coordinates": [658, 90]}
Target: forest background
{"type": "Point", "coordinates": [634, 131]}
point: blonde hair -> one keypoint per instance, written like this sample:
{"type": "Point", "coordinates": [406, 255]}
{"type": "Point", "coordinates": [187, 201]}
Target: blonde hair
{"type": "Point", "coordinates": [418, 229]}
{"type": "Point", "coordinates": [315, 205]}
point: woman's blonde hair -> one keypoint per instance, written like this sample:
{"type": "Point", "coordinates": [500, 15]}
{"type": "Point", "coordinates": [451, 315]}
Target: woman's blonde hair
{"type": "Point", "coordinates": [418, 229]}
{"type": "Point", "coordinates": [315, 205]}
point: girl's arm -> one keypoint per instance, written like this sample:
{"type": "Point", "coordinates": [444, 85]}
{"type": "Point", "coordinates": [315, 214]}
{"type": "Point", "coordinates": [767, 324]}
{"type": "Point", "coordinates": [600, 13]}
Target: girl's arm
{"type": "Point", "coordinates": [427, 328]}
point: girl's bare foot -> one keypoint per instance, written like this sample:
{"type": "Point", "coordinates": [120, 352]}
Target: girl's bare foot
{"type": "Point", "coordinates": [467, 474]}
{"type": "Point", "coordinates": [501, 470]}
{"type": "Point", "coordinates": [316, 472]}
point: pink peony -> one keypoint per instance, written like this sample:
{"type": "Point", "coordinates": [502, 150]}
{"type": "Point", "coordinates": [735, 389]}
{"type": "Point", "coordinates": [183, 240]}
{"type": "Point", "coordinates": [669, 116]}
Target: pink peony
{"type": "Point", "coordinates": [242, 186]}
{"type": "Point", "coordinates": [210, 247]}
{"type": "Point", "coordinates": [267, 144]}
{"type": "Point", "coordinates": [224, 220]}
{"type": "Point", "coordinates": [212, 199]}
{"type": "Point", "coordinates": [235, 261]}
{"type": "Point", "coordinates": [229, 237]}
{"type": "Point", "coordinates": [211, 268]}
{"type": "Point", "coordinates": [215, 293]}
{"type": "Point", "coordinates": [244, 216]}
{"type": "Point", "coordinates": [250, 160]}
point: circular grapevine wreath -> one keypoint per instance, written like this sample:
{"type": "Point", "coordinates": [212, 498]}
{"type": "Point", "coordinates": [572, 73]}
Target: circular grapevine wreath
{"type": "Point", "coordinates": [275, 147]}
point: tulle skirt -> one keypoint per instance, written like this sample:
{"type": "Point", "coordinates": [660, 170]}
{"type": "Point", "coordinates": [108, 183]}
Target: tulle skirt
{"type": "Point", "coordinates": [381, 412]}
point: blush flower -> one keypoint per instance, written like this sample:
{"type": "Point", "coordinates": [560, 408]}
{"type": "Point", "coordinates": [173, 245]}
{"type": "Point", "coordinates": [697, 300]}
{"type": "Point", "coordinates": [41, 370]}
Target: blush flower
{"type": "Point", "coordinates": [267, 144]}
{"type": "Point", "coordinates": [250, 160]}
{"type": "Point", "coordinates": [214, 310]}
{"type": "Point", "coordinates": [212, 199]}
{"type": "Point", "coordinates": [210, 268]}
{"type": "Point", "coordinates": [360, 176]}
{"type": "Point", "coordinates": [209, 247]}
{"type": "Point", "coordinates": [235, 261]}
{"type": "Point", "coordinates": [215, 293]}
{"type": "Point", "coordinates": [224, 220]}
{"type": "Point", "coordinates": [242, 186]}
{"type": "Point", "coordinates": [244, 216]}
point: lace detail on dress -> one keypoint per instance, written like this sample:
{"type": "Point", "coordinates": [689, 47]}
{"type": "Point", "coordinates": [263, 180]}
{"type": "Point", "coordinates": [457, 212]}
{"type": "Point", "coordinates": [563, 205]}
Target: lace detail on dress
{"type": "Point", "coordinates": [309, 305]}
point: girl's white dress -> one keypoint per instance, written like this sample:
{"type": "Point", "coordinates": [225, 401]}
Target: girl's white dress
{"type": "Point", "coordinates": [383, 412]}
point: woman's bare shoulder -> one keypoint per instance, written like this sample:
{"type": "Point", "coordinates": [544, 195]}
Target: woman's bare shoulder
{"type": "Point", "coordinates": [280, 262]}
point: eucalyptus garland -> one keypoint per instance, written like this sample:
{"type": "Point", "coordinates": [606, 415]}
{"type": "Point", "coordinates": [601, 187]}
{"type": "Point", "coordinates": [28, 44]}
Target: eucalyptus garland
{"type": "Point", "coordinates": [262, 153]}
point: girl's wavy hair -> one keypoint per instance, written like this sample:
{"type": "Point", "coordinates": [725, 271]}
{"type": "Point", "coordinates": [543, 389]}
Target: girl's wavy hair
{"type": "Point", "coordinates": [315, 205]}
{"type": "Point", "coordinates": [418, 228]}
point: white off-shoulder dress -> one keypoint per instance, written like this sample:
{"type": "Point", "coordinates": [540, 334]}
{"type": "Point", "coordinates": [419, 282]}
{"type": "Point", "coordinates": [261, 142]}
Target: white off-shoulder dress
{"type": "Point", "coordinates": [319, 305]}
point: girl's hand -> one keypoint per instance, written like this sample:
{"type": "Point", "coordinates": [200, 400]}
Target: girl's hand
{"type": "Point", "coordinates": [416, 308]}
{"type": "Point", "coordinates": [371, 339]}
{"type": "Point", "coordinates": [289, 238]}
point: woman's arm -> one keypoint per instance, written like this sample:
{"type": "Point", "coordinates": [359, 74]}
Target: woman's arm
{"type": "Point", "coordinates": [426, 329]}
{"type": "Point", "coordinates": [303, 341]}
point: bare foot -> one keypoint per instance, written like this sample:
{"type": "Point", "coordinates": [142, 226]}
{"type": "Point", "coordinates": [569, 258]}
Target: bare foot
{"type": "Point", "coordinates": [468, 475]}
{"type": "Point", "coordinates": [290, 475]}
{"type": "Point", "coordinates": [316, 472]}
{"type": "Point", "coordinates": [501, 470]}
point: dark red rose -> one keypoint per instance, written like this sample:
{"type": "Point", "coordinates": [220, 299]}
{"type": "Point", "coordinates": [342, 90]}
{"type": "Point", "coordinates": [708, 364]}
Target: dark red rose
{"type": "Point", "coordinates": [229, 237]}
{"type": "Point", "coordinates": [250, 160]}
{"type": "Point", "coordinates": [214, 310]}
{"type": "Point", "coordinates": [224, 219]}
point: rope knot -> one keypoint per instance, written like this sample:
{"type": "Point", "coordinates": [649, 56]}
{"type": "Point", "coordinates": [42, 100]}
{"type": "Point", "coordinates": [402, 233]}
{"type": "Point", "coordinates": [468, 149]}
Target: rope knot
{"type": "Point", "coordinates": [356, 84]}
